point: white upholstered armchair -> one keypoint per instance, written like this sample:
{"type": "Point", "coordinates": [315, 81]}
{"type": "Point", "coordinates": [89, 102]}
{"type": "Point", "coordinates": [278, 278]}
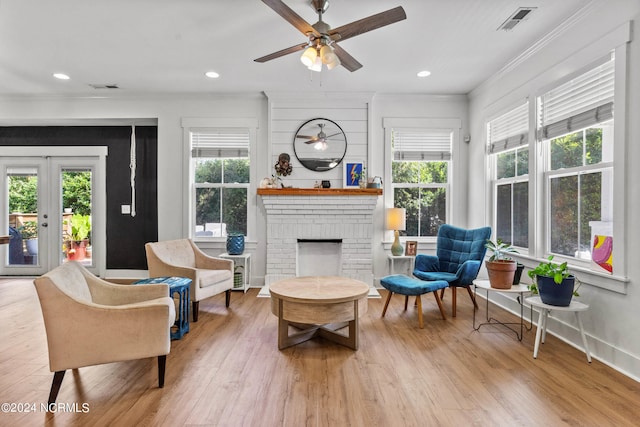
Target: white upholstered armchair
{"type": "Point", "coordinates": [209, 275]}
{"type": "Point", "coordinates": [90, 321]}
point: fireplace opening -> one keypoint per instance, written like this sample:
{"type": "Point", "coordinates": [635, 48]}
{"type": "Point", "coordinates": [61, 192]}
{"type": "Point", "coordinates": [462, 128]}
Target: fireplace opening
{"type": "Point", "coordinates": [319, 257]}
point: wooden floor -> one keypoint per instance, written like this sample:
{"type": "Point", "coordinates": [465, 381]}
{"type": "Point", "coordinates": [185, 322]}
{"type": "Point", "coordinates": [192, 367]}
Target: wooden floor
{"type": "Point", "coordinates": [228, 371]}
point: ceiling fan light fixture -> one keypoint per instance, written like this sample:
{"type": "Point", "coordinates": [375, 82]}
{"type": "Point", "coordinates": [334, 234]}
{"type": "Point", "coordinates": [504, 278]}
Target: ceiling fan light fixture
{"type": "Point", "coordinates": [333, 64]}
{"type": "Point", "coordinates": [317, 65]}
{"type": "Point", "coordinates": [327, 54]}
{"type": "Point", "coordinates": [309, 56]}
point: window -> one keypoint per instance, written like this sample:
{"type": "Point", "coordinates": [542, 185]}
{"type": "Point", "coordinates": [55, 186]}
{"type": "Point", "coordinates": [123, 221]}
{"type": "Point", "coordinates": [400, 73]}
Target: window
{"type": "Point", "coordinates": [420, 177]}
{"type": "Point", "coordinates": [507, 136]}
{"type": "Point", "coordinates": [576, 130]}
{"type": "Point", "coordinates": [221, 176]}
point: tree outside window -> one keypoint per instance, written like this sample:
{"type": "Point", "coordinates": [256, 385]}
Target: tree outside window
{"type": "Point", "coordinates": [421, 188]}
{"type": "Point", "coordinates": [580, 184]}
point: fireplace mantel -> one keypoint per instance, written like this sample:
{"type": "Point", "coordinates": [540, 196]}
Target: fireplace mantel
{"type": "Point", "coordinates": [320, 191]}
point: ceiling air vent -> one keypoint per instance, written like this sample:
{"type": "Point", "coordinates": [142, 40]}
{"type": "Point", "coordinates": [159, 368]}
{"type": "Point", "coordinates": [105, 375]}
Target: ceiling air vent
{"type": "Point", "coordinates": [101, 86]}
{"type": "Point", "coordinates": [521, 14]}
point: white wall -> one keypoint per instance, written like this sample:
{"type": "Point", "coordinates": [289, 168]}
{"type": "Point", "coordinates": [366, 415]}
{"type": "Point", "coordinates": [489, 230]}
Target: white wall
{"type": "Point", "coordinates": [611, 323]}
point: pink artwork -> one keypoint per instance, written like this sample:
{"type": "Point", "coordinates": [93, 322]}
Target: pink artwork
{"type": "Point", "coordinates": [602, 252]}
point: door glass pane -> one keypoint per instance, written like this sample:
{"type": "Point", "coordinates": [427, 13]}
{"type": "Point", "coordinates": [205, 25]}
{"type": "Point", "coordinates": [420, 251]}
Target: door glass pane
{"type": "Point", "coordinates": [76, 216]}
{"type": "Point", "coordinates": [23, 216]}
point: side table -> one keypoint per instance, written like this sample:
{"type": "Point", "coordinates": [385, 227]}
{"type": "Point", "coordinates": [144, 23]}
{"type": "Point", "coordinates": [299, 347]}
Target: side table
{"type": "Point", "coordinates": [180, 286]}
{"type": "Point", "coordinates": [243, 260]}
{"type": "Point", "coordinates": [392, 263]}
{"type": "Point", "coordinates": [519, 289]}
{"type": "Point", "coordinates": [545, 309]}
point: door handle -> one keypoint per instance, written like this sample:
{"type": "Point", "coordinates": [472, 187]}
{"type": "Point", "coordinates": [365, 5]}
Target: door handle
{"type": "Point", "coordinates": [44, 224]}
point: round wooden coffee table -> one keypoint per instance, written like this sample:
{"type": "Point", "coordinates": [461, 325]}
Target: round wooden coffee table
{"type": "Point", "coordinates": [318, 306]}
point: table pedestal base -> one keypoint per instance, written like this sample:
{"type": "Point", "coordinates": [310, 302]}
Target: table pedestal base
{"type": "Point", "coordinates": [309, 331]}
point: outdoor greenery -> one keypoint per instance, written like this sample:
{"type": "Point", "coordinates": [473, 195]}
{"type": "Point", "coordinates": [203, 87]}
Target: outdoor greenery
{"type": "Point", "coordinates": [575, 199]}
{"type": "Point", "coordinates": [221, 202]}
{"type": "Point", "coordinates": [426, 207]}
{"type": "Point", "coordinates": [29, 230]}
{"type": "Point", "coordinates": [80, 227]}
{"type": "Point", "coordinates": [76, 193]}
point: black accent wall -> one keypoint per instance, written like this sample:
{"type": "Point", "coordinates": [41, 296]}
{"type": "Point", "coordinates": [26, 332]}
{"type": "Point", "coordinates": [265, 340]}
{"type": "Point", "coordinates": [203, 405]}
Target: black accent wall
{"type": "Point", "coordinates": [126, 235]}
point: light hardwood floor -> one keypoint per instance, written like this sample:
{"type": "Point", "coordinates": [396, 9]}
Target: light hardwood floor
{"type": "Point", "coordinates": [228, 371]}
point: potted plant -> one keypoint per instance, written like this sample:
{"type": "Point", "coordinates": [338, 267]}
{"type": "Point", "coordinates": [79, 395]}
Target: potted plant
{"type": "Point", "coordinates": [80, 230]}
{"type": "Point", "coordinates": [500, 267]}
{"type": "Point", "coordinates": [29, 233]}
{"type": "Point", "coordinates": [553, 282]}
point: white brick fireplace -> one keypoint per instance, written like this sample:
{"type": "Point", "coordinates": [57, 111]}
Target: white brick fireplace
{"type": "Point", "coordinates": [319, 215]}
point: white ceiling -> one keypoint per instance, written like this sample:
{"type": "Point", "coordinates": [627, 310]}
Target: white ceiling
{"type": "Point", "coordinates": [165, 46]}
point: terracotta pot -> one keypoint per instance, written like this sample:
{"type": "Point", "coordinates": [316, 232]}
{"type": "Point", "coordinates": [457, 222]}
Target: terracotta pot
{"type": "Point", "coordinates": [501, 273]}
{"type": "Point", "coordinates": [77, 250]}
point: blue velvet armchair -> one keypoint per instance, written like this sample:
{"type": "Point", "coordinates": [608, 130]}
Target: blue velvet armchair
{"type": "Point", "coordinates": [459, 255]}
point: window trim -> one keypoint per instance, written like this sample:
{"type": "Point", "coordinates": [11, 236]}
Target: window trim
{"type": "Point", "coordinates": [190, 124]}
{"type": "Point", "coordinates": [617, 281]}
{"type": "Point", "coordinates": [453, 125]}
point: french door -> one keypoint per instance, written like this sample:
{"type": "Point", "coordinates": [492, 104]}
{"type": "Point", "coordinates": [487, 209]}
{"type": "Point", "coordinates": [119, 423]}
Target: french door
{"type": "Point", "coordinates": [53, 207]}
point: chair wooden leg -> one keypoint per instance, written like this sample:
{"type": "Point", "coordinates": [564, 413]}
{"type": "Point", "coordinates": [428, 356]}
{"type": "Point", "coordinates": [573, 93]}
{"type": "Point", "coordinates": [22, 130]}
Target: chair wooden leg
{"type": "Point", "coordinates": [440, 306]}
{"type": "Point", "coordinates": [419, 308]}
{"type": "Point", "coordinates": [473, 298]}
{"type": "Point", "coordinates": [442, 293]}
{"type": "Point", "coordinates": [406, 302]}
{"type": "Point", "coordinates": [58, 376]}
{"type": "Point", "coordinates": [386, 304]}
{"type": "Point", "coordinates": [454, 298]}
{"type": "Point", "coordinates": [194, 308]}
{"type": "Point", "coordinates": [227, 297]}
{"type": "Point", "coordinates": [162, 364]}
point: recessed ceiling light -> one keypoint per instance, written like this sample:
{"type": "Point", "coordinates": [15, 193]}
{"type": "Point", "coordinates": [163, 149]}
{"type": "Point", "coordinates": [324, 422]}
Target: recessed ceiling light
{"type": "Point", "coordinates": [61, 76]}
{"type": "Point", "coordinates": [212, 74]}
{"type": "Point", "coordinates": [424, 73]}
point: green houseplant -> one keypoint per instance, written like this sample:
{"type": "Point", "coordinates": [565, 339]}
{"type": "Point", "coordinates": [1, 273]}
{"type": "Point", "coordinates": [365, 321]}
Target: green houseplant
{"type": "Point", "coordinates": [553, 282]}
{"type": "Point", "coordinates": [80, 231]}
{"type": "Point", "coordinates": [500, 267]}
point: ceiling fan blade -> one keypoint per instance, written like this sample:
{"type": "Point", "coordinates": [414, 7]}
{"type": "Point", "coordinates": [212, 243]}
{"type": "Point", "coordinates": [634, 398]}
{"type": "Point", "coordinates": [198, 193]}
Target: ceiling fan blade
{"type": "Point", "coordinates": [346, 60]}
{"type": "Point", "coordinates": [291, 17]}
{"type": "Point", "coordinates": [367, 24]}
{"type": "Point", "coordinates": [282, 52]}
{"type": "Point", "coordinates": [311, 138]}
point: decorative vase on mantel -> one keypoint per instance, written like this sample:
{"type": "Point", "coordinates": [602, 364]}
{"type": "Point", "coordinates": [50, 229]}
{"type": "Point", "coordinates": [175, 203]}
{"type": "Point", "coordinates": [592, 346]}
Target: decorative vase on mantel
{"type": "Point", "coordinates": [235, 244]}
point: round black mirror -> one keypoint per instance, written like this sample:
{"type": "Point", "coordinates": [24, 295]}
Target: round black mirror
{"type": "Point", "coordinates": [320, 144]}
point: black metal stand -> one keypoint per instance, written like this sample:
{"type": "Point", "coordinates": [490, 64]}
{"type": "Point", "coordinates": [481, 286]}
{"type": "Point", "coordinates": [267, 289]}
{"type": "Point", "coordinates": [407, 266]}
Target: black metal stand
{"type": "Point", "coordinates": [508, 325]}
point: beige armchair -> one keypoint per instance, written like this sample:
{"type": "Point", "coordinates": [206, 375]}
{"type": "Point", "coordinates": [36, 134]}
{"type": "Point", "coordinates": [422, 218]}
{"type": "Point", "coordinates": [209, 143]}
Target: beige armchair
{"type": "Point", "coordinates": [90, 321]}
{"type": "Point", "coordinates": [209, 275]}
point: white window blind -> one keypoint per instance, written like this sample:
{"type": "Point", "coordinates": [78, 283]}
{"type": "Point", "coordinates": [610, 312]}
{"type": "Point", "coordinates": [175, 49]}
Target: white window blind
{"type": "Point", "coordinates": [510, 130]}
{"type": "Point", "coordinates": [421, 144]}
{"type": "Point", "coordinates": [579, 103]}
{"type": "Point", "coordinates": [220, 143]}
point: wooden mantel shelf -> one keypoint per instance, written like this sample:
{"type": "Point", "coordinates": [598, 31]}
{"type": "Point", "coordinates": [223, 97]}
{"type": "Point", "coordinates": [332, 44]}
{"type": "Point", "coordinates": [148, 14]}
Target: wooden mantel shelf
{"type": "Point", "coordinates": [320, 191]}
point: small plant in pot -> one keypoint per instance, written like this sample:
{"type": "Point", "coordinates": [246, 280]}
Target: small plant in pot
{"type": "Point", "coordinates": [500, 267]}
{"type": "Point", "coordinates": [553, 282]}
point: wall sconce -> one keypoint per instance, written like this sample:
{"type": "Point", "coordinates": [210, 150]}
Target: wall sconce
{"type": "Point", "coordinates": [396, 220]}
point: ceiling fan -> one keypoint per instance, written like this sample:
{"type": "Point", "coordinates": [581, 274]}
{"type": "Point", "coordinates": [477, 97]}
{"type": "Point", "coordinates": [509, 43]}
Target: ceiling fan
{"type": "Point", "coordinates": [321, 47]}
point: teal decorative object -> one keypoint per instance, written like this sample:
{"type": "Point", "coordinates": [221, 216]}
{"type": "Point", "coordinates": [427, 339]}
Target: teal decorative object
{"type": "Point", "coordinates": [235, 244]}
